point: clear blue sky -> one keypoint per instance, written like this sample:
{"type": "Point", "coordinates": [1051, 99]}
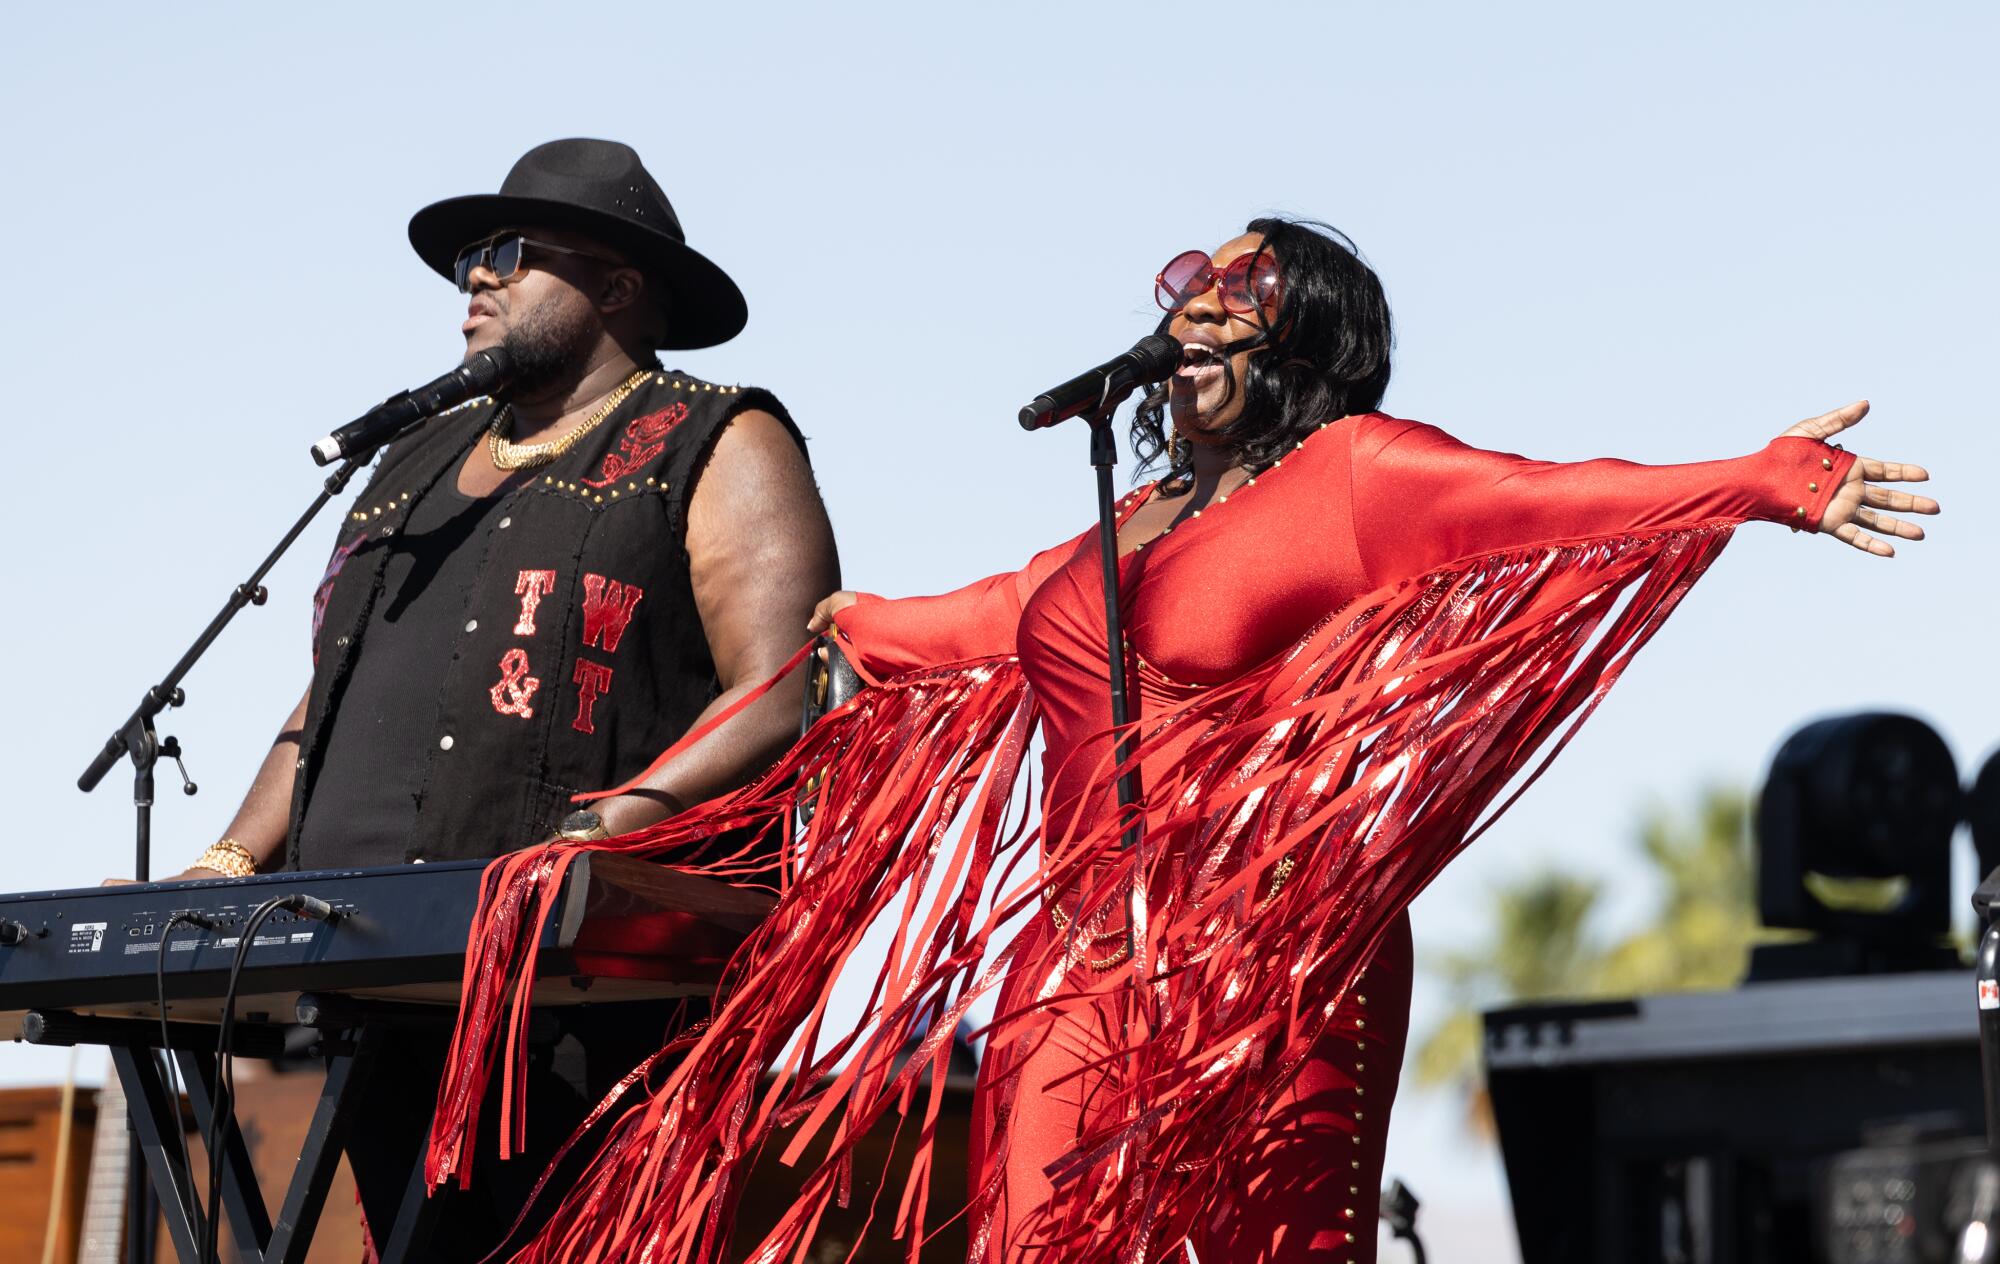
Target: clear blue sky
{"type": "Point", "coordinates": [1658, 232]}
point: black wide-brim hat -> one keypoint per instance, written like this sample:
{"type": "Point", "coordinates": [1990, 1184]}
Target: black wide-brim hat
{"type": "Point", "coordinates": [601, 189]}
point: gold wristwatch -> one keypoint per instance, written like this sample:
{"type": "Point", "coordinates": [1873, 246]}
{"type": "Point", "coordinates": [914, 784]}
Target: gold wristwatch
{"type": "Point", "coordinates": [585, 826]}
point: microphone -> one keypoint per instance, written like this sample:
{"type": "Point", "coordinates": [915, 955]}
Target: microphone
{"type": "Point", "coordinates": [1152, 359]}
{"type": "Point", "coordinates": [481, 374]}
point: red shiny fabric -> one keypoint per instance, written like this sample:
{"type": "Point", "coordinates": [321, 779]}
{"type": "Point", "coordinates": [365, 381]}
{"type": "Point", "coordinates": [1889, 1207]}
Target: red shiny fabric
{"type": "Point", "coordinates": [1341, 671]}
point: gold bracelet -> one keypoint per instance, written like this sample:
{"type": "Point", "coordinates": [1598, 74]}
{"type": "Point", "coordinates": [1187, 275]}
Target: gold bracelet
{"type": "Point", "coordinates": [229, 858]}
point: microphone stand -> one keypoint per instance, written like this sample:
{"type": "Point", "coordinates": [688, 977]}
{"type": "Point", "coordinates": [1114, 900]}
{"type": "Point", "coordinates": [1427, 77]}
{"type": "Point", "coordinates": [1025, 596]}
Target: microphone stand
{"type": "Point", "coordinates": [1104, 457]}
{"type": "Point", "coordinates": [138, 739]}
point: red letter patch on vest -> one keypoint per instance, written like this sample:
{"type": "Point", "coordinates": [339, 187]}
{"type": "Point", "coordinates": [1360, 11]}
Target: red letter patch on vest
{"type": "Point", "coordinates": [593, 680]}
{"type": "Point", "coordinates": [532, 586]}
{"type": "Point", "coordinates": [607, 609]}
{"type": "Point", "coordinates": [644, 438]}
{"type": "Point", "coordinates": [516, 684]}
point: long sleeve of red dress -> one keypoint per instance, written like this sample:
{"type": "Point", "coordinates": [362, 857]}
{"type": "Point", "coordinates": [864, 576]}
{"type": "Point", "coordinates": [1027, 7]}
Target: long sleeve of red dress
{"type": "Point", "coordinates": [976, 621]}
{"type": "Point", "coordinates": [1422, 498]}
{"type": "Point", "coordinates": [1364, 502]}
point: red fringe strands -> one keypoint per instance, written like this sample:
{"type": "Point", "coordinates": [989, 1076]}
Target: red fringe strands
{"type": "Point", "coordinates": [1357, 763]}
{"type": "Point", "coordinates": [879, 825]}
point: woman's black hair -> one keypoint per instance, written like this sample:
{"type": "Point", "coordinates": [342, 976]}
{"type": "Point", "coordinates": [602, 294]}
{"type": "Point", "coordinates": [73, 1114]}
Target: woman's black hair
{"type": "Point", "coordinates": [1326, 355]}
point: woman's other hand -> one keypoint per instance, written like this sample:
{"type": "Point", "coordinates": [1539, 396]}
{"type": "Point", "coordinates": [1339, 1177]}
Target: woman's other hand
{"type": "Point", "coordinates": [831, 605]}
{"type": "Point", "coordinates": [196, 874]}
{"type": "Point", "coordinates": [1857, 504]}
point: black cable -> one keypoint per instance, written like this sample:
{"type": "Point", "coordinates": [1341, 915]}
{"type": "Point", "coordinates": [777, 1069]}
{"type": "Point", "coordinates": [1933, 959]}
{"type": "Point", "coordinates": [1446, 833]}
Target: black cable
{"type": "Point", "coordinates": [174, 1090]}
{"type": "Point", "coordinates": [1399, 1210]}
{"type": "Point", "coordinates": [222, 1101]}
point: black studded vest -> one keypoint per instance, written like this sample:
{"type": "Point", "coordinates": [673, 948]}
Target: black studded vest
{"type": "Point", "coordinates": [580, 654]}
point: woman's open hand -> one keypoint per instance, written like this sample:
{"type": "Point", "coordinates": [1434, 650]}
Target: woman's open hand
{"type": "Point", "coordinates": [1857, 503]}
{"type": "Point", "coordinates": [196, 874]}
{"type": "Point", "coordinates": [829, 606]}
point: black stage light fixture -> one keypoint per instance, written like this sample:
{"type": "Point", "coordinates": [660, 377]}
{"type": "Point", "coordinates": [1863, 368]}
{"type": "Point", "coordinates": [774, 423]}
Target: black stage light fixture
{"type": "Point", "coordinates": [1854, 832]}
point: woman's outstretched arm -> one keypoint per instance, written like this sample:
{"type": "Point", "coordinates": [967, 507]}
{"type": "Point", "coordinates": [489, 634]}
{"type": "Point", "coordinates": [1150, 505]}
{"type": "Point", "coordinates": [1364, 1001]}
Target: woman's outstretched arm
{"type": "Point", "coordinates": [977, 621]}
{"type": "Point", "coordinates": [1422, 498]}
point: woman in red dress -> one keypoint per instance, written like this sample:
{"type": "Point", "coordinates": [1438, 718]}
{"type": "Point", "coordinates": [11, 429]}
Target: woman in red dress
{"type": "Point", "coordinates": [1350, 634]}
{"type": "Point", "coordinates": [1287, 497]}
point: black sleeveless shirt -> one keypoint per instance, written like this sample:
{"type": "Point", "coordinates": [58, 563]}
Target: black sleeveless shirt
{"type": "Point", "coordinates": [477, 661]}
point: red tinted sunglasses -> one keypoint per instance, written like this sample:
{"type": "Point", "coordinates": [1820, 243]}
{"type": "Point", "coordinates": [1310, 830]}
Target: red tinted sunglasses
{"type": "Point", "coordinates": [1248, 284]}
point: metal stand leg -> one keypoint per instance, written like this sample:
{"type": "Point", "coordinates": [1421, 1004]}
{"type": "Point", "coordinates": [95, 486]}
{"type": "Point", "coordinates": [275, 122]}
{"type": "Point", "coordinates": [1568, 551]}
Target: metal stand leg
{"type": "Point", "coordinates": [142, 1210]}
{"type": "Point", "coordinates": [156, 1121]}
{"type": "Point", "coordinates": [416, 1217]}
{"type": "Point", "coordinates": [346, 1076]}
{"type": "Point", "coordinates": [248, 1220]}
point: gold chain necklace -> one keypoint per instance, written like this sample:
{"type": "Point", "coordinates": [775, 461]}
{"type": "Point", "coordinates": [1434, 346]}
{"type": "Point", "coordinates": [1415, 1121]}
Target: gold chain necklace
{"type": "Point", "coordinates": [1063, 921]}
{"type": "Point", "coordinates": [508, 455]}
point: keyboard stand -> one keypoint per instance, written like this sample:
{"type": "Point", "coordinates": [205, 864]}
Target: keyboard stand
{"type": "Point", "coordinates": [350, 1052]}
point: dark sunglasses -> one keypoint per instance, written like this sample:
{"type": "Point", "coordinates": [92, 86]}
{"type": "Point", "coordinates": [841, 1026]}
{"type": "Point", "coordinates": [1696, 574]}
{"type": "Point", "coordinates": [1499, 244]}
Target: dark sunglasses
{"type": "Point", "coordinates": [1250, 283]}
{"type": "Point", "coordinates": [502, 257]}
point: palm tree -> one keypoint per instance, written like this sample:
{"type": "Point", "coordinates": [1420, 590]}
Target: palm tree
{"type": "Point", "coordinates": [1542, 946]}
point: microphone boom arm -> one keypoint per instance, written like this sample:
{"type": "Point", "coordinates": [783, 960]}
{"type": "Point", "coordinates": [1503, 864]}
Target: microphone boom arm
{"type": "Point", "coordinates": [354, 445]}
{"type": "Point", "coordinates": [136, 737]}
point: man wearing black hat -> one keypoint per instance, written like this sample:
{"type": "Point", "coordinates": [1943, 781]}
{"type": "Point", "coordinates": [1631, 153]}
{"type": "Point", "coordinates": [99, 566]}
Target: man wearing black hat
{"type": "Point", "coordinates": [535, 596]}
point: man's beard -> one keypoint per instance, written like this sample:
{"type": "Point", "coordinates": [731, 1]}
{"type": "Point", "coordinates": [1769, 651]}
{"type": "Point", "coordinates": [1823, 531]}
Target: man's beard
{"type": "Point", "coordinates": [548, 347]}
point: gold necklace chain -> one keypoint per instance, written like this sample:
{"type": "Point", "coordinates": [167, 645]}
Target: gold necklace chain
{"type": "Point", "coordinates": [508, 455]}
{"type": "Point", "coordinates": [1063, 921]}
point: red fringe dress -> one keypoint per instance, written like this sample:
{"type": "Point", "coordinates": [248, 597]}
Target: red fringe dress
{"type": "Point", "coordinates": [1339, 668]}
